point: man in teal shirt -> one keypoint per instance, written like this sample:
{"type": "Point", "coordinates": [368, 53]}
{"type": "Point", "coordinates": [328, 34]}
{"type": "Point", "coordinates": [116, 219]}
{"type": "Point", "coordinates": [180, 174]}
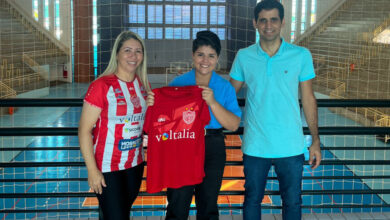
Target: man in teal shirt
{"type": "Point", "coordinates": [274, 71]}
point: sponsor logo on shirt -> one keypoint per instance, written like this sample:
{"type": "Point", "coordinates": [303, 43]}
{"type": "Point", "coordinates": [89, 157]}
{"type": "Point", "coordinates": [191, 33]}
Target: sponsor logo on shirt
{"type": "Point", "coordinates": [129, 144]}
{"type": "Point", "coordinates": [127, 130]}
{"type": "Point", "coordinates": [189, 116]}
{"type": "Point", "coordinates": [131, 118]}
{"type": "Point", "coordinates": [118, 91]}
{"type": "Point", "coordinates": [162, 118]}
{"type": "Point", "coordinates": [170, 135]}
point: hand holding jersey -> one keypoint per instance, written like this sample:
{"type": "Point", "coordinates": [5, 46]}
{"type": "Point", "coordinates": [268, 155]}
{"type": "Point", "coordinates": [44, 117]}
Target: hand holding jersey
{"type": "Point", "coordinates": [208, 95]}
{"type": "Point", "coordinates": [150, 99]}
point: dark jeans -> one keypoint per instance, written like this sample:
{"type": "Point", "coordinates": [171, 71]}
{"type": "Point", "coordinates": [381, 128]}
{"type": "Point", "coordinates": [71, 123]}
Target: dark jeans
{"type": "Point", "coordinates": [206, 193]}
{"type": "Point", "coordinates": [289, 171]}
{"type": "Point", "coordinates": [122, 189]}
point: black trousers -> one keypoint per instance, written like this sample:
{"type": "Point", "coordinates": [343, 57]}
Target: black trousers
{"type": "Point", "coordinates": [122, 189]}
{"type": "Point", "coordinates": [206, 193]}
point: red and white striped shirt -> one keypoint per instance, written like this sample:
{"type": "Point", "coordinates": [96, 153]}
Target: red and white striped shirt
{"type": "Point", "coordinates": [117, 134]}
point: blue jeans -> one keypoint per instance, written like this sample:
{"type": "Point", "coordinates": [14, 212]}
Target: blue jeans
{"type": "Point", "coordinates": [289, 172]}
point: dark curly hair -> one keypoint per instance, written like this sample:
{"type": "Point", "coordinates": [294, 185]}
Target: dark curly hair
{"type": "Point", "coordinates": [207, 38]}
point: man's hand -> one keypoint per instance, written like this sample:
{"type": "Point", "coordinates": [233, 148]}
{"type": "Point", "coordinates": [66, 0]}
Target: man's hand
{"type": "Point", "coordinates": [315, 153]}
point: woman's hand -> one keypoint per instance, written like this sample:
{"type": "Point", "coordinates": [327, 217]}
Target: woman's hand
{"type": "Point", "coordinates": [96, 181]}
{"type": "Point", "coordinates": [150, 99]}
{"type": "Point", "coordinates": [208, 95]}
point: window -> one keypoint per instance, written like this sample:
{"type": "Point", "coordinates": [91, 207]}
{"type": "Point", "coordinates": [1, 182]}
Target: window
{"type": "Point", "coordinates": [35, 10]}
{"type": "Point", "coordinates": [46, 15]}
{"type": "Point", "coordinates": [136, 14]}
{"type": "Point", "coordinates": [155, 14]}
{"type": "Point", "coordinates": [139, 30]}
{"type": "Point", "coordinates": [217, 15]}
{"type": "Point", "coordinates": [199, 15]}
{"type": "Point", "coordinates": [95, 38]}
{"type": "Point", "coordinates": [293, 19]}
{"type": "Point", "coordinates": [155, 33]}
{"type": "Point", "coordinates": [303, 16]}
{"type": "Point", "coordinates": [177, 14]}
{"type": "Point", "coordinates": [177, 33]}
{"type": "Point", "coordinates": [176, 19]}
{"type": "Point", "coordinates": [57, 17]}
{"type": "Point", "coordinates": [313, 12]}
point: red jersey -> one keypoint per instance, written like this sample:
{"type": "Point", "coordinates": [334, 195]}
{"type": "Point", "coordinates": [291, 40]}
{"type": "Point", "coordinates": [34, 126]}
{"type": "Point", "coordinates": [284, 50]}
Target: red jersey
{"type": "Point", "coordinates": [117, 134]}
{"type": "Point", "coordinates": [175, 127]}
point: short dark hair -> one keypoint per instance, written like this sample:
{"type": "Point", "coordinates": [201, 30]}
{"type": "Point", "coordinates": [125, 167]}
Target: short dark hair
{"type": "Point", "coordinates": [207, 38]}
{"type": "Point", "coordinates": [269, 5]}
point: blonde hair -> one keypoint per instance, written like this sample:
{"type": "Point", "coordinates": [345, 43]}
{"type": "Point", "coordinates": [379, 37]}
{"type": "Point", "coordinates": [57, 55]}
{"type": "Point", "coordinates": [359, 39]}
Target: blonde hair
{"type": "Point", "coordinates": [141, 70]}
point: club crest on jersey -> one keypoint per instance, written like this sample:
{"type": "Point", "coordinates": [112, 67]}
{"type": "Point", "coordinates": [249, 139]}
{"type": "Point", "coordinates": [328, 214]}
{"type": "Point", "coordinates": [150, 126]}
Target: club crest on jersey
{"type": "Point", "coordinates": [135, 100]}
{"type": "Point", "coordinates": [189, 116]}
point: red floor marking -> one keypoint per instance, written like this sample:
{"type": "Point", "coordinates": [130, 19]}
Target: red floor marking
{"type": "Point", "coordinates": [322, 187]}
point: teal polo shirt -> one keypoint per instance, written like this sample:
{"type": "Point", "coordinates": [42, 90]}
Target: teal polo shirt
{"type": "Point", "coordinates": [273, 125]}
{"type": "Point", "coordinates": [224, 94]}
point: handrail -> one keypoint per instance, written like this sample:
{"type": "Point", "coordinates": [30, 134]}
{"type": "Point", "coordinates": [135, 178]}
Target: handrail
{"type": "Point", "coordinates": [385, 24]}
{"type": "Point", "coordinates": [34, 65]}
{"type": "Point", "coordinates": [77, 102]}
{"type": "Point", "coordinates": [225, 178]}
{"type": "Point", "coordinates": [72, 131]}
{"type": "Point", "coordinates": [135, 209]}
{"type": "Point", "coordinates": [238, 193]}
{"type": "Point", "coordinates": [9, 92]}
{"type": "Point", "coordinates": [228, 163]}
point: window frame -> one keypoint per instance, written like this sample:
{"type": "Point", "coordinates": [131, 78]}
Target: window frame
{"type": "Point", "coordinates": [192, 26]}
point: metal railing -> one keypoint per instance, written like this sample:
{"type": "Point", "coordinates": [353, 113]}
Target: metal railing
{"type": "Point", "coordinates": [72, 131]}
